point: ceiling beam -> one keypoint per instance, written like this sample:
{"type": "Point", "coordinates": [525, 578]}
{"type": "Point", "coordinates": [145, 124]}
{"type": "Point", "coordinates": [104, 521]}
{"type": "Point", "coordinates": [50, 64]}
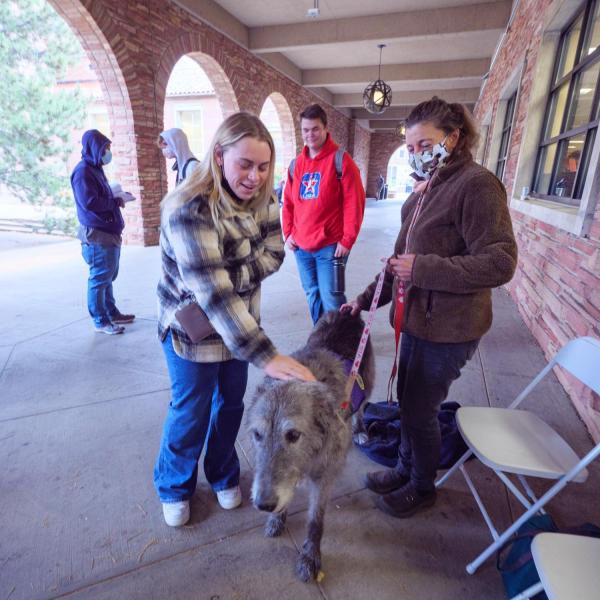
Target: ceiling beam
{"type": "Point", "coordinates": [378, 124]}
{"type": "Point", "coordinates": [400, 112]}
{"type": "Point", "coordinates": [467, 95]}
{"type": "Point", "coordinates": [451, 69]}
{"type": "Point", "coordinates": [384, 28]}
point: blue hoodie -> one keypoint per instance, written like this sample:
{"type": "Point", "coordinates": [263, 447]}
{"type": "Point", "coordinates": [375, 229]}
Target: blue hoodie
{"type": "Point", "coordinates": [96, 205]}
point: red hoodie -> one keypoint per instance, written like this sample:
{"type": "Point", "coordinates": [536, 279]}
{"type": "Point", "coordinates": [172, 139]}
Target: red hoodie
{"type": "Point", "coordinates": [319, 210]}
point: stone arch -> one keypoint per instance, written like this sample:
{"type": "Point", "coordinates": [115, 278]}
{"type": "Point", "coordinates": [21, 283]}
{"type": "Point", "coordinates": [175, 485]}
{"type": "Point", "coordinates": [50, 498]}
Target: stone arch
{"type": "Point", "coordinates": [287, 149]}
{"type": "Point", "coordinates": [210, 58]}
{"type": "Point", "coordinates": [383, 145]}
{"type": "Point", "coordinates": [397, 175]}
{"type": "Point", "coordinates": [92, 31]}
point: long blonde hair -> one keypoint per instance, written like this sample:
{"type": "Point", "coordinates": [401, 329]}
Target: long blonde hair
{"type": "Point", "coordinates": [207, 180]}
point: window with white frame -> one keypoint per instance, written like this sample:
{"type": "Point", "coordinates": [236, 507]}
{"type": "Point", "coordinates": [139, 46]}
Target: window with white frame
{"type": "Point", "coordinates": [505, 136]}
{"type": "Point", "coordinates": [189, 118]}
{"type": "Point", "coordinates": [572, 112]}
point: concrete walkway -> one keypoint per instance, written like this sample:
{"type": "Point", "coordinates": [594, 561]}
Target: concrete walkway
{"type": "Point", "coordinates": [81, 417]}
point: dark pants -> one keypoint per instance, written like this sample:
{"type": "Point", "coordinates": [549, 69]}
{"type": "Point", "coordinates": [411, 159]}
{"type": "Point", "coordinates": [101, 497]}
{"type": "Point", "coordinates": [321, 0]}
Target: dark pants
{"type": "Point", "coordinates": [425, 372]}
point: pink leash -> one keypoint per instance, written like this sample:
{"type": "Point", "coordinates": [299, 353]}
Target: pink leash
{"type": "Point", "coordinates": [364, 338]}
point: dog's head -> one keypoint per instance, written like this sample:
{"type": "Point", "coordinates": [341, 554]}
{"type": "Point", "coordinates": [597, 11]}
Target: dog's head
{"type": "Point", "coordinates": [288, 422]}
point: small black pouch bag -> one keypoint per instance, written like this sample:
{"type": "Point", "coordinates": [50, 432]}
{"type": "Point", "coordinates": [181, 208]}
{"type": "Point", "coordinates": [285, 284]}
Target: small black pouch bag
{"type": "Point", "coordinates": [194, 321]}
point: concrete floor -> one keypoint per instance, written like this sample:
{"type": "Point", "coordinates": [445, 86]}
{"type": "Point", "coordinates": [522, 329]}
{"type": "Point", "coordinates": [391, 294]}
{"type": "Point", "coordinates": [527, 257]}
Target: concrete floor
{"type": "Point", "coordinates": [81, 417]}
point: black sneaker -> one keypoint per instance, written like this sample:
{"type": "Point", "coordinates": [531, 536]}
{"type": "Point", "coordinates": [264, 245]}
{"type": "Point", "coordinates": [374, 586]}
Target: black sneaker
{"type": "Point", "coordinates": [405, 502]}
{"type": "Point", "coordinates": [385, 481]}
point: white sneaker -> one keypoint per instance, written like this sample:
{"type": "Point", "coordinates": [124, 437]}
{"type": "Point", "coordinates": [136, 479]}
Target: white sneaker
{"type": "Point", "coordinates": [176, 513]}
{"type": "Point", "coordinates": [230, 498]}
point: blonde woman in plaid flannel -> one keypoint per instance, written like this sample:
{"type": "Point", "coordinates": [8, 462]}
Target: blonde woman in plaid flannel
{"type": "Point", "coordinates": [220, 237]}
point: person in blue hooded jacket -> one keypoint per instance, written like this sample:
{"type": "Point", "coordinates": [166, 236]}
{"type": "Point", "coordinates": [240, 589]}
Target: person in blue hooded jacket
{"type": "Point", "coordinates": [101, 224]}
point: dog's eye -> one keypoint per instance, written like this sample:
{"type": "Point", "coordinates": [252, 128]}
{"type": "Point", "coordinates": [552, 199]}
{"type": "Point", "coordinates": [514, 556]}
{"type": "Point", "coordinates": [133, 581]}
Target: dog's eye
{"type": "Point", "coordinates": [257, 436]}
{"type": "Point", "coordinates": [292, 436]}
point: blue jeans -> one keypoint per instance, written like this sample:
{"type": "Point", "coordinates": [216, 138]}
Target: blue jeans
{"type": "Point", "coordinates": [316, 274]}
{"type": "Point", "coordinates": [425, 372]}
{"type": "Point", "coordinates": [104, 268]}
{"type": "Point", "coordinates": [206, 406]}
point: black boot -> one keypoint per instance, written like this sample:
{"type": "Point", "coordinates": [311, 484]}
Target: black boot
{"type": "Point", "coordinates": [405, 502]}
{"type": "Point", "coordinates": [385, 481]}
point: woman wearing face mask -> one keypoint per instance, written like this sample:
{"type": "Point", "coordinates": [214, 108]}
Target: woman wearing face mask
{"type": "Point", "coordinates": [173, 143]}
{"type": "Point", "coordinates": [455, 244]}
{"type": "Point", "coordinates": [101, 224]}
{"type": "Point", "coordinates": [220, 237]}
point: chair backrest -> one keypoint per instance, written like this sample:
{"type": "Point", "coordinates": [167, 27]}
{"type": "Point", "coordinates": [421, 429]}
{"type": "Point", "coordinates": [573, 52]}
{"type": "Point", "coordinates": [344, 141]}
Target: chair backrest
{"type": "Point", "coordinates": [580, 357]}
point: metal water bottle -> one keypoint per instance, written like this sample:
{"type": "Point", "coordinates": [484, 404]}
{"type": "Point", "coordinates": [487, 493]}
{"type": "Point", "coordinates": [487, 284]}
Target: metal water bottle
{"type": "Point", "coordinates": [339, 281]}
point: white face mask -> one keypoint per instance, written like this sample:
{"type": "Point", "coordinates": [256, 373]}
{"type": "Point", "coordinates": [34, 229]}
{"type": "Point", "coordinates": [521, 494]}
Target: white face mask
{"type": "Point", "coordinates": [426, 162]}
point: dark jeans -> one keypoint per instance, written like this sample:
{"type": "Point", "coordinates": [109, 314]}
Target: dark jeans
{"type": "Point", "coordinates": [425, 372]}
{"type": "Point", "coordinates": [206, 408]}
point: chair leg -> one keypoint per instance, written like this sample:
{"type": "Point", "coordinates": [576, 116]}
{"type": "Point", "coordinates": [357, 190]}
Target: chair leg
{"type": "Point", "coordinates": [529, 491]}
{"type": "Point", "coordinates": [440, 482]}
{"type": "Point", "coordinates": [529, 592]}
{"type": "Point", "coordinates": [513, 488]}
{"type": "Point", "coordinates": [480, 504]}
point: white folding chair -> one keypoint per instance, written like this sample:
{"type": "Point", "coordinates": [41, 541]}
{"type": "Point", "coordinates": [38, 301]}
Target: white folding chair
{"type": "Point", "coordinates": [517, 441]}
{"type": "Point", "coordinates": [568, 566]}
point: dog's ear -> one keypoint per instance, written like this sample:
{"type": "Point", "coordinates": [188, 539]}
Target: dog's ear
{"type": "Point", "coordinates": [258, 392]}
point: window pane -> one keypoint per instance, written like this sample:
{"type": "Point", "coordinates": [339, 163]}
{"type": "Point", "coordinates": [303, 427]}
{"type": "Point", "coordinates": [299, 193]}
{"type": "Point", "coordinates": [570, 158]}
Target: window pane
{"type": "Point", "coordinates": [583, 97]}
{"type": "Point", "coordinates": [593, 37]}
{"type": "Point", "coordinates": [557, 110]}
{"type": "Point", "coordinates": [544, 174]}
{"type": "Point", "coordinates": [585, 163]}
{"type": "Point", "coordinates": [569, 156]}
{"type": "Point", "coordinates": [191, 123]}
{"type": "Point", "coordinates": [500, 169]}
{"type": "Point", "coordinates": [569, 49]}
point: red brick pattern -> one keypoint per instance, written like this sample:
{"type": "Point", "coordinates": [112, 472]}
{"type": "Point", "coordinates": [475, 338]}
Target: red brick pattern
{"type": "Point", "coordinates": [133, 47]}
{"type": "Point", "coordinates": [557, 284]}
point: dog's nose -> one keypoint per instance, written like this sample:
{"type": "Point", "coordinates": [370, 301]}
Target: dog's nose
{"type": "Point", "coordinates": [266, 506]}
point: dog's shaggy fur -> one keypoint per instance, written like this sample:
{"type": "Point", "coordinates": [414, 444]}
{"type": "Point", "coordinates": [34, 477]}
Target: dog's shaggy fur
{"type": "Point", "coordinates": [301, 432]}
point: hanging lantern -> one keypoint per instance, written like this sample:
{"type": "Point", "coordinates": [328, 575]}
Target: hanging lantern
{"type": "Point", "coordinates": [401, 129]}
{"type": "Point", "coordinates": [377, 96]}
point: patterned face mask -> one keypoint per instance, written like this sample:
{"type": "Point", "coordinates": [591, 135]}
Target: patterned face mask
{"type": "Point", "coordinates": [424, 163]}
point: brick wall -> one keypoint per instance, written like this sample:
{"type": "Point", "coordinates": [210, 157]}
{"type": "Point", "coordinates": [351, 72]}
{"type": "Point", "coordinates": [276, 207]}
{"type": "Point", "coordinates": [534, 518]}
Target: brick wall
{"type": "Point", "coordinates": [133, 48]}
{"type": "Point", "coordinates": [382, 146]}
{"type": "Point", "coordinates": [359, 147]}
{"type": "Point", "coordinates": [557, 284]}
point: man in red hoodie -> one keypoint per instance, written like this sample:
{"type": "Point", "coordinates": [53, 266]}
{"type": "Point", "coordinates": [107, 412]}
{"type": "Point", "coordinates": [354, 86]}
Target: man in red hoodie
{"type": "Point", "coordinates": [323, 209]}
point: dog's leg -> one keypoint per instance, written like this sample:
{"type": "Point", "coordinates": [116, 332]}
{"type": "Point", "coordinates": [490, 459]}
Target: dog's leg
{"type": "Point", "coordinates": [309, 561]}
{"type": "Point", "coordinates": [275, 524]}
{"type": "Point", "coordinates": [359, 431]}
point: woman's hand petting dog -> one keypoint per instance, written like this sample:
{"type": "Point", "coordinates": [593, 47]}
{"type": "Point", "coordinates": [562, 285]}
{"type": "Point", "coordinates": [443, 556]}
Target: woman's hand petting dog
{"type": "Point", "coordinates": [285, 367]}
{"type": "Point", "coordinates": [352, 307]}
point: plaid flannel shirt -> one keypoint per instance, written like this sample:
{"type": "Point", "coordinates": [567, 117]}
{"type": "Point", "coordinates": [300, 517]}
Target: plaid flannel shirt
{"type": "Point", "coordinates": [222, 274]}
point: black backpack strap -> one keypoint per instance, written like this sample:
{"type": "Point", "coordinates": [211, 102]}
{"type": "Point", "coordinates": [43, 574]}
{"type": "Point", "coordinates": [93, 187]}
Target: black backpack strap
{"type": "Point", "coordinates": [291, 170]}
{"type": "Point", "coordinates": [339, 161]}
{"type": "Point", "coordinates": [187, 162]}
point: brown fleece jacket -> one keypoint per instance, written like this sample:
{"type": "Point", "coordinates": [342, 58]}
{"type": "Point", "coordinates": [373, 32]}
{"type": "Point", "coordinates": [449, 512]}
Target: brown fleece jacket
{"type": "Point", "coordinates": [464, 246]}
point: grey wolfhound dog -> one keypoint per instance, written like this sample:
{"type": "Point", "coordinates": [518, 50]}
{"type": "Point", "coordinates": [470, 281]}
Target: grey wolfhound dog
{"type": "Point", "coordinates": [301, 431]}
